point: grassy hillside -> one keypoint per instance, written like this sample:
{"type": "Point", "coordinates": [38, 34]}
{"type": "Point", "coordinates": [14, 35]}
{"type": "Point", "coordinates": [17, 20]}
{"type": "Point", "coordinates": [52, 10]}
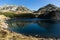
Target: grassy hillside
{"type": "Point", "coordinates": [21, 15]}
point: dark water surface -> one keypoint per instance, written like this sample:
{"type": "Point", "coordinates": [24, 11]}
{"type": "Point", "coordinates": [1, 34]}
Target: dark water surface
{"type": "Point", "coordinates": [36, 27]}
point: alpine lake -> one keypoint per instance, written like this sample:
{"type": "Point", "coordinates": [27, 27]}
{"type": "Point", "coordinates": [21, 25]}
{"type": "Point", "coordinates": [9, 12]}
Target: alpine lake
{"type": "Point", "coordinates": [36, 27]}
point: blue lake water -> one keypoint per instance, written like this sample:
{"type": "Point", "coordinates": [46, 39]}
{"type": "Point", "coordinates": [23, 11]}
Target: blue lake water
{"type": "Point", "coordinates": [36, 27]}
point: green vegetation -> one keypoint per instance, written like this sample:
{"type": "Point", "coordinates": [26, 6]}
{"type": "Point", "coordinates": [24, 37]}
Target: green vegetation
{"type": "Point", "coordinates": [21, 15]}
{"type": "Point", "coordinates": [28, 15]}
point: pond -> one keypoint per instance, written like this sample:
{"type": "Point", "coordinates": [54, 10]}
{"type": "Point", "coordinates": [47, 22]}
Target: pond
{"type": "Point", "coordinates": [35, 27]}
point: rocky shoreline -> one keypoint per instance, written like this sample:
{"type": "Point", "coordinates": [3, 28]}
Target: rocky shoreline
{"type": "Point", "coordinates": [10, 35]}
{"type": "Point", "coordinates": [3, 23]}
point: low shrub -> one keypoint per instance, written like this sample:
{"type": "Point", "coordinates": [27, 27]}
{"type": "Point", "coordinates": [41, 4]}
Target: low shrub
{"type": "Point", "coordinates": [21, 15]}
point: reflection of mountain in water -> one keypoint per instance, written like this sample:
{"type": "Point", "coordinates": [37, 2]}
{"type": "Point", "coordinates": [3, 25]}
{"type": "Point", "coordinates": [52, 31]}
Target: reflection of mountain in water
{"type": "Point", "coordinates": [19, 23]}
{"type": "Point", "coordinates": [48, 23]}
{"type": "Point", "coordinates": [40, 28]}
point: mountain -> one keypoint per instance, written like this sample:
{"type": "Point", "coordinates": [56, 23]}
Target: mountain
{"type": "Point", "coordinates": [49, 11]}
{"type": "Point", "coordinates": [18, 9]}
{"type": "Point", "coordinates": [47, 8]}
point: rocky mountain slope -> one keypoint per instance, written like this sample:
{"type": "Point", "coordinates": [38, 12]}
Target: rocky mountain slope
{"type": "Point", "coordinates": [49, 11]}
{"type": "Point", "coordinates": [47, 8]}
{"type": "Point", "coordinates": [10, 8]}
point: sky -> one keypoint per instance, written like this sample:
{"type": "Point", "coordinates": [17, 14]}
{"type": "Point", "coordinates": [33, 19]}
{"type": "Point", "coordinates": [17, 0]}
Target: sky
{"type": "Point", "coordinates": [31, 4]}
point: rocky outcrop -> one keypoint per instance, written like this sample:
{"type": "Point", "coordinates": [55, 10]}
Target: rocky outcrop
{"type": "Point", "coordinates": [3, 18]}
{"type": "Point", "coordinates": [3, 23]}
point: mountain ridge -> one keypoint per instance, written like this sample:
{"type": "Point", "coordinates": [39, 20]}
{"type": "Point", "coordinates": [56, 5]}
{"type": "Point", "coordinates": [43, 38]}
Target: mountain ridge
{"type": "Point", "coordinates": [14, 8]}
{"type": "Point", "coordinates": [49, 12]}
{"type": "Point", "coordinates": [48, 7]}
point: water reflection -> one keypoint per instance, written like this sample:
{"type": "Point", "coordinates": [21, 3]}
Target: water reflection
{"type": "Point", "coordinates": [48, 24]}
{"type": "Point", "coordinates": [39, 28]}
